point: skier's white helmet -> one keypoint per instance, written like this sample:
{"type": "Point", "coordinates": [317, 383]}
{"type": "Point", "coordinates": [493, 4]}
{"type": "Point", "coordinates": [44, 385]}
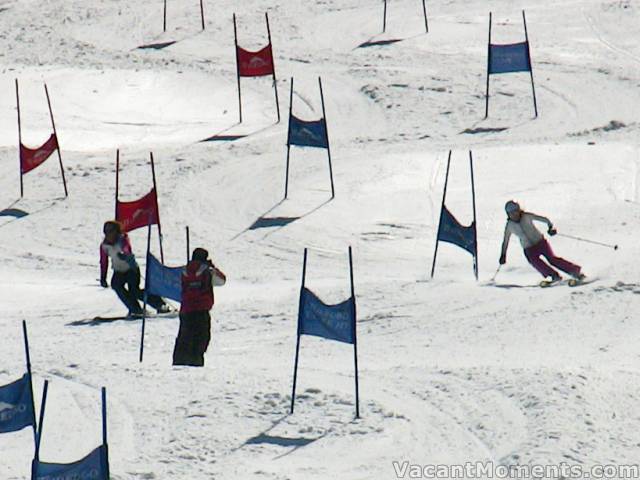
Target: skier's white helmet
{"type": "Point", "coordinates": [511, 206]}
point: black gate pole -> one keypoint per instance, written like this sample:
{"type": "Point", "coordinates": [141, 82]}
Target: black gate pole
{"type": "Point", "coordinates": [286, 179]}
{"type": "Point", "coordinates": [117, 180]}
{"type": "Point", "coordinates": [475, 223]}
{"type": "Point", "coordinates": [273, 66]}
{"type": "Point", "coordinates": [53, 124]}
{"type": "Point", "coordinates": [444, 196]}
{"type": "Point", "coordinates": [384, 17]}
{"type": "Point", "coordinates": [155, 189]}
{"type": "Point", "coordinates": [424, 11]}
{"type": "Point", "coordinates": [326, 137]}
{"type": "Point", "coordinates": [355, 338]}
{"type": "Point", "coordinates": [486, 110]}
{"type": "Point", "coordinates": [295, 368]}
{"type": "Point", "coordinates": [235, 37]}
{"type": "Point", "coordinates": [533, 87]}
{"type": "Point", "coordinates": [19, 139]}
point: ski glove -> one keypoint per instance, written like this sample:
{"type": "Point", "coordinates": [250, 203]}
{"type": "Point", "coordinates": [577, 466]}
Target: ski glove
{"type": "Point", "coordinates": [503, 259]}
{"type": "Point", "coordinates": [552, 231]}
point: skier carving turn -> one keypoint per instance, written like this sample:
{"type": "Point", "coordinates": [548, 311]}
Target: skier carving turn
{"type": "Point", "coordinates": [536, 246]}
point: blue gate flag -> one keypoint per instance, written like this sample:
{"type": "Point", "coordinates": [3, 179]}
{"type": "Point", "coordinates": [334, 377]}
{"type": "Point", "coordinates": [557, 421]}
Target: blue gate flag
{"type": "Point", "coordinates": [335, 322]}
{"type": "Point", "coordinates": [307, 134]}
{"type": "Point", "coordinates": [451, 231]}
{"type": "Point", "coordinates": [93, 467]}
{"type": "Point", "coordinates": [509, 58]}
{"type": "Point", "coordinates": [163, 281]}
{"type": "Point", "coordinates": [16, 405]}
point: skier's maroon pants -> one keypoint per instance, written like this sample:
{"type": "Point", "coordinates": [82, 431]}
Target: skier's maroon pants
{"type": "Point", "coordinates": [543, 249]}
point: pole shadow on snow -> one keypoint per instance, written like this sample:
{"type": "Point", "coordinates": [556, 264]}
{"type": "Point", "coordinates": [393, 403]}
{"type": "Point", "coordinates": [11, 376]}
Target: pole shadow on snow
{"type": "Point", "coordinates": [261, 217]}
{"type": "Point", "coordinates": [477, 127]}
{"type": "Point", "coordinates": [509, 286]}
{"type": "Point", "coordinates": [306, 214]}
{"type": "Point", "coordinates": [268, 222]}
{"type": "Point", "coordinates": [92, 322]}
{"type": "Point", "coordinates": [376, 41]}
{"type": "Point", "coordinates": [278, 222]}
{"type": "Point", "coordinates": [222, 136]}
{"type": "Point", "coordinates": [165, 44]}
{"type": "Point", "coordinates": [95, 321]}
{"type": "Point", "coordinates": [294, 442]}
{"type": "Point", "coordinates": [474, 131]}
{"type": "Point", "coordinates": [379, 43]}
{"type": "Point", "coordinates": [281, 441]}
{"type": "Point", "coordinates": [157, 46]}
{"type": "Point", "coordinates": [15, 214]}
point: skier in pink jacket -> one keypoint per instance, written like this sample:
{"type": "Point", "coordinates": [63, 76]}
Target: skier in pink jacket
{"type": "Point", "coordinates": [520, 224]}
{"type": "Point", "coordinates": [126, 273]}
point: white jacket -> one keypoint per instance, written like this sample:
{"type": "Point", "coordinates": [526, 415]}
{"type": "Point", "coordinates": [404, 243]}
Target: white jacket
{"type": "Point", "coordinates": [525, 230]}
{"type": "Point", "coordinates": [121, 248]}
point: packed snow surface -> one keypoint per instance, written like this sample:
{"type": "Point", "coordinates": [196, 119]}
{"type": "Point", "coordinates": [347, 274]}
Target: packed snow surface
{"type": "Point", "coordinates": [452, 370]}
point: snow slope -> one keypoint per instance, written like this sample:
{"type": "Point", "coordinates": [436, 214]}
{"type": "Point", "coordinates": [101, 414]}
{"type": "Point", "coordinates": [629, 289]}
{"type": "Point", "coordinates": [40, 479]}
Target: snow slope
{"type": "Point", "coordinates": [451, 370]}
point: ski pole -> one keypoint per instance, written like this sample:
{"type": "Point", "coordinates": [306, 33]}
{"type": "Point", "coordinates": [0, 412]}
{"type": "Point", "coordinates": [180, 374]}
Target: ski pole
{"type": "Point", "coordinates": [493, 279]}
{"type": "Point", "coordinates": [615, 247]}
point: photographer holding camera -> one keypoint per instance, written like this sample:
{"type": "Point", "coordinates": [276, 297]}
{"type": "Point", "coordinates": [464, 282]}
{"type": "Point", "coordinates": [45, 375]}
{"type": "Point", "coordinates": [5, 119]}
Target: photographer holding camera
{"type": "Point", "coordinates": [198, 279]}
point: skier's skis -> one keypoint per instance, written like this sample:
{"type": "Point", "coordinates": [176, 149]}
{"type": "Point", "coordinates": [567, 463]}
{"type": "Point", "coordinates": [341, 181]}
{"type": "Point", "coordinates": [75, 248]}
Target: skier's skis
{"type": "Point", "coordinates": [97, 320]}
{"type": "Point", "coordinates": [576, 282]}
{"type": "Point", "coordinates": [572, 282]}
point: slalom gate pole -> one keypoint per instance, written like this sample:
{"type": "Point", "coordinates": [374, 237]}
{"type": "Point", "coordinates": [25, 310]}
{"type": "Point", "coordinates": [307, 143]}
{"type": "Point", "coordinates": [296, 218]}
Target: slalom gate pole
{"type": "Point", "coordinates": [53, 124]}
{"type": "Point", "coordinates": [145, 297]}
{"type": "Point", "coordinates": [235, 37]}
{"type": "Point", "coordinates": [355, 338]}
{"type": "Point", "coordinates": [286, 178]}
{"type": "Point", "coordinates": [444, 197]}
{"type": "Point", "coordinates": [486, 107]}
{"type": "Point", "coordinates": [28, 358]}
{"type": "Point", "coordinates": [19, 139]}
{"type": "Point", "coordinates": [164, 17]}
{"type": "Point", "coordinates": [105, 457]}
{"type": "Point", "coordinates": [295, 368]}
{"type": "Point", "coordinates": [188, 246]}
{"type": "Point", "coordinates": [476, 268]}
{"type": "Point", "coordinates": [273, 67]}
{"type": "Point", "coordinates": [424, 11]}
{"type": "Point", "coordinates": [533, 86]}
{"type": "Point", "coordinates": [326, 137]}
{"type": "Point", "coordinates": [117, 181]}
{"type": "Point", "coordinates": [43, 404]}
{"type": "Point", "coordinates": [155, 189]}
{"type": "Point", "coordinates": [384, 17]}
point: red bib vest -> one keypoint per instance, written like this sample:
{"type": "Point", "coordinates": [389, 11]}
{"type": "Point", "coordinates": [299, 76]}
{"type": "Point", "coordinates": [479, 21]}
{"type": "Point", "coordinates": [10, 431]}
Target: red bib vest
{"type": "Point", "coordinates": [197, 291]}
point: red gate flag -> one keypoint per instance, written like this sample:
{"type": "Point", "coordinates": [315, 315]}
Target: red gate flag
{"type": "Point", "coordinates": [255, 64]}
{"type": "Point", "coordinates": [138, 213]}
{"type": "Point", "coordinates": [32, 158]}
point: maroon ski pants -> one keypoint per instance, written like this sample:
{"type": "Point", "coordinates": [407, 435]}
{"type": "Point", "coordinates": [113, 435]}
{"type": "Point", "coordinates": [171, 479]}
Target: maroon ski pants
{"type": "Point", "coordinates": [543, 249]}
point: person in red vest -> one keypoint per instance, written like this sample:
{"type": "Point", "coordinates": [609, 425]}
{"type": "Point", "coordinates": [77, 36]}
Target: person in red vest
{"type": "Point", "coordinates": [198, 279]}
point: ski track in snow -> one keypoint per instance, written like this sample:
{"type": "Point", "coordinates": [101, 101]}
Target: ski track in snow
{"type": "Point", "coordinates": [450, 370]}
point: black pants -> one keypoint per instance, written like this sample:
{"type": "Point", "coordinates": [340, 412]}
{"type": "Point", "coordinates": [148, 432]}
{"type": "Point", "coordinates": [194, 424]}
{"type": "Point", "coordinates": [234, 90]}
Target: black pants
{"type": "Point", "coordinates": [193, 339]}
{"type": "Point", "coordinates": [127, 286]}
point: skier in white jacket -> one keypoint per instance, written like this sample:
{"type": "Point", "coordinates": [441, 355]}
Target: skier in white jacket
{"type": "Point", "coordinates": [520, 224]}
